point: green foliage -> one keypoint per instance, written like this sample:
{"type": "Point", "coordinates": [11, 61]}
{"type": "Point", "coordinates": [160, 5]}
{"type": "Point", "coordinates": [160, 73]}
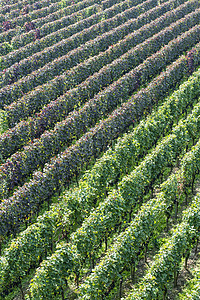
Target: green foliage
{"type": "Point", "coordinates": [103, 220]}
{"type": "Point", "coordinates": [126, 248]}
{"type": "Point", "coordinates": [3, 121]}
{"type": "Point", "coordinates": [38, 241]}
{"type": "Point", "coordinates": [124, 251]}
{"type": "Point", "coordinates": [167, 262]}
{"type": "Point", "coordinates": [5, 48]}
{"type": "Point", "coordinates": [43, 288]}
{"type": "Point", "coordinates": [61, 136]}
{"type": "Point", "coordinates": [192, 289]}
{"type": "Point", "coordinates": [100, 42]}
{"type": "Point", "coordinates": [76, 96]}
{"type": "Point", "coordinates": [93, 187]}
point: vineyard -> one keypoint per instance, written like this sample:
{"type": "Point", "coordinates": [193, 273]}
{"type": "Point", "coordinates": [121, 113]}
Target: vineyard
{"type": "Point", "coordinates": [100, 149]}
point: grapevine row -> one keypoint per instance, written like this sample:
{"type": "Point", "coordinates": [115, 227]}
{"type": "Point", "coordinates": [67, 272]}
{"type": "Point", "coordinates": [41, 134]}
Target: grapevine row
{"type": "Point", "coordinates": [49, 28]}
{"type": "Point", "coordinates": [9, 34]}
{"type": "Point", "coordinates": [78, 241]}
{"type": "Point", "coordinates": [6, 9]}
{"type": "Point", "coordinates": [139, 230]}
{"type": "Point", "coordinates": [192, 291]}
{"type": "Point", "coordinates": [69, 163]}
{"type": "Point", "coordinates": [83, 4]}
{"type": "Point", "coordinates": [129, 245]}
{"type": "Point", "coordinates": [28, 10]}
{"type": "Point", "coordinates": [109, 215]}
{"type": "Point", "coordinates": [117, 257]}
{"type": "Point", "coordinates": [131, 189]}
{"type": "Point", "coordinates": [25, 131]}
{"type": "Point", "coordinates": [78, 122]}
{"type": "Point", "coordinates": [52, 69]}
{"type": "Point", "coordinates": [32, 35]}
{"type": "Point", "coordinates": [17, 19]}
{"type": "Point", "coordinates": [73, 234]}
{"type": "Point", "coordinates": [43, 12]}
{"type": "Point", "coordinates": [166, 263]}
{"type": "Point", "coordinates": [99, 31]}
{"type": "Point", "coordinates": [76, 204]}
{"type": "Point", "coordinates": [48, 91]}
{"type": "Point", "coordinates": [32, 12]}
